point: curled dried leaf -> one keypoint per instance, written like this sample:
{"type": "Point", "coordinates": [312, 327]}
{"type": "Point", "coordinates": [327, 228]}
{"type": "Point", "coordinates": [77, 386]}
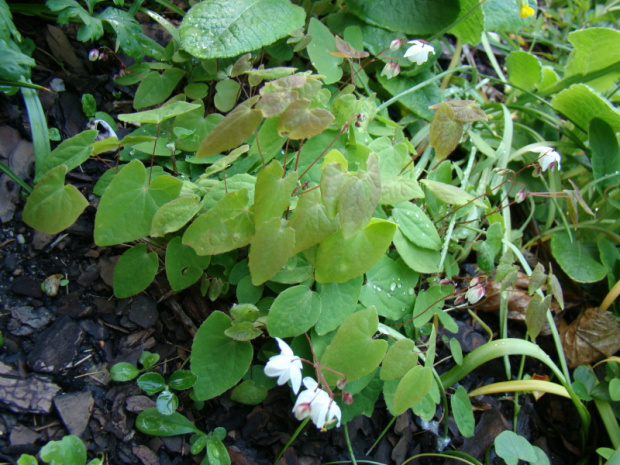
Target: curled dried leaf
{"type": "Point", "coordinates": [591, 337]}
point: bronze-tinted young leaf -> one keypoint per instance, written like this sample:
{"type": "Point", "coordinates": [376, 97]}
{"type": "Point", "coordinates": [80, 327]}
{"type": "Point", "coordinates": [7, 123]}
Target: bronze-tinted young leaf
{"type": "Point", "coordinates": [270, 248]}
{"type": "Point", "coordinates": [346, 50]}
{"type": "Point", "coordinates": [535, 314]}
{"type": "Point", "coordinates": [227, 226]}
{"type": "Point", "coordinates": [233, 130]}
{"type": "Point", "coordinates": [464, 111]}
{"type": "Point", "coordinates": [306, 86]}
{"type": "Point", "coordinates": [553, 284]}
{"type": "Point", "coordinates": [275, 103]}
{"type": "Point", "coordinates": [299, 121]}
{"type": "Point", "coordinates": [242, 64]}
{"type": "Point", "coordinates": [537, 279]}
{"type": "Point", "coordinates": [445, 132]}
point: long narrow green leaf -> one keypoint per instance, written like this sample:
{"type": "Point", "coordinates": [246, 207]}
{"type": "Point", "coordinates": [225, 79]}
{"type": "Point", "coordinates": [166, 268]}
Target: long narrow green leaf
{"type": "Point", "coordinates": [38, 127]}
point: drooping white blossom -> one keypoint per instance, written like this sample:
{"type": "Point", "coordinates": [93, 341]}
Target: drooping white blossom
{"type": "Point", "coordinates": [316, 404]}
{"type": "Point", "coordinates": [285, 366]}
{"type": "Point", "coordinates": [419, 51]}
{"type": "Point", "coordinates": [390, 70]}
{"type": "Point", "coordinates": [549, 158]}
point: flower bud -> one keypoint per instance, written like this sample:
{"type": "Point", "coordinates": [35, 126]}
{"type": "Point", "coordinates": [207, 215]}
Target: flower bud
{"type": "Point", "coordinates": [347, 398]}
{"type": "Point", "coordinates": [396, 43]}
{"type": "Point", "coordinates": [341, 383]}
{"type": "Point", "coordinates": [93, 55]}
{"type": "Point", "coordinates": [520, 197]}
{"type": "Point", "coordinates": [390, 70]}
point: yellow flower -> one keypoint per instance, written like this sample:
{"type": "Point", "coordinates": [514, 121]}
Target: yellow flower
{"type": "Point", "coordinates": [526, 11]}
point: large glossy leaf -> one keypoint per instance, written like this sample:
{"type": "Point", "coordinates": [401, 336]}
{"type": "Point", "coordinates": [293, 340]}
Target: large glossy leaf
{"type": "Point", "coordinates": [53, 206]}
{"type": "Point", "coordinates": [233, 130]}
{"type": "Point", "coordinates": [218, 361]}
{"type": "Point", "coordinates": [294, 312]}
{"type": "Point", "coordinates": [134, 271]}
{"type": "Point", "coordinates": [129, 203]}
{"type": "Point", "coordinates": [71, 152]}
{"type": "Point", "coordinates": [353, 352]}
{"type": "Point", "coordinates": [338, 259]}
{"type": "Point", "coordinates": [310, 221]}
{"type": "Point", "coordinates": [183, 266]}
{"type": "Point", "coordinates": [271, 247]}
{"type": "Point", "coordinates": [272, 194]}
{"type": "Point", "coordinates": [390, 287]}
{"type": "Point", "coordinates": [150, 421]}
{"type": "Point", "coordinates": [594, 49]}
{"type": "Point", "coordinates": [338, 301]}
{"type": "Point", "coordinates": [227, 226]}
{"type": "Point", "coordinates": [576, 258]}
{"type": "Point", "coordinates": [319, 47]}
{"type": "Point", "coordinates": [221, 28]}
{"type": "Point", "coordinates": [470, 27]}
{"type": "Point", "coordinates": [580, 103]}
{"type": "Point", "coordinates": [299, 121]}
{"type": "Point", "coordinates": [414, 17]}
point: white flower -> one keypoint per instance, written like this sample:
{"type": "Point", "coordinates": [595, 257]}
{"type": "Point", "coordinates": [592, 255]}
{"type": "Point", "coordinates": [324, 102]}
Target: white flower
{"type": "Point", "coordinates": [286, 366]}
{"type": "Point", "coordinates": [549, 158]}
{"type": "Point", "coordinates": [316, 404]}
{"type": "Point", "coordinates": [419, 51]}
{"type": "Point", "coordinates": [390, 70]}
{"type": "Point", "coordinates": [475, 293]}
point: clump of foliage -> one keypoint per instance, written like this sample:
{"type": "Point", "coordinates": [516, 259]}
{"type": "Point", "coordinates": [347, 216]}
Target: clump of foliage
{"type": "Point", "coordinates": [333, 176]}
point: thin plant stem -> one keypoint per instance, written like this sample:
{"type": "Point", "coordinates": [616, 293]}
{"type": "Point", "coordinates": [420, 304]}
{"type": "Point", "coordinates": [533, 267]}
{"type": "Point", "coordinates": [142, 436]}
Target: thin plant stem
{"type": "Point", "coordinates": [437, 77]}
{"type": "Point", "coordinates": [291, 440]}
{"type": "Point", "coordinates": [349, 446]}
{"type": "Point", "coordinates": [383, 432]}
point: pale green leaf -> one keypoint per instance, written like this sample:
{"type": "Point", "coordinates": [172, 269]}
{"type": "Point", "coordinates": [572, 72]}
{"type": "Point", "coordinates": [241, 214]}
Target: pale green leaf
{"type": "Point", "coordinates": [339, 259]}
{"type": "Point", "coordinates": [53, 206]}
{"type": "Point", "coordinates": [524, 70]}
{"type": "Point", "coordinates": [412, 388]}
{"type": "Point", "coordinates": [130, 202]}
{"type": "Point", "coordinates": [299, 121]}
{"type": "Point", "coordinates": [293, 312]}
{"type": "Point", "coordinates": [160, 114]}
{"type": "Point", "coordinates": [272, 193]}
{"type": "Point", "coordinates": [71, 153]}
{"type": "Point", "coordinates": [338, 301]}
{"type": "Point", "coordinates": [400, 358]}
{"type": "Point", "coordinates": [353, 352]}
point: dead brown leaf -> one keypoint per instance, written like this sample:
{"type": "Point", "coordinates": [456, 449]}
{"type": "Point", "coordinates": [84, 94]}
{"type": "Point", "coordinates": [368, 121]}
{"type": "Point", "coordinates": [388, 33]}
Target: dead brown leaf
{"type": "Point", "coordinates": [594, 335]}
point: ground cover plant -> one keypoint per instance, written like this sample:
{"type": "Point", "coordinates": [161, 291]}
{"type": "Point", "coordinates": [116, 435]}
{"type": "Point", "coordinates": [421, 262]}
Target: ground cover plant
{"type": "Point", "coordinates": [354, 180]}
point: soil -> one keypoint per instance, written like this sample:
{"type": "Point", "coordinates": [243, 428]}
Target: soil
{"type": "Point", "coordinates": [57, 352]}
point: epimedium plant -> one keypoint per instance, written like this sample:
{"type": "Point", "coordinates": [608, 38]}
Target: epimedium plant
{"type": "Point", "coordinates": [332, 228]}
